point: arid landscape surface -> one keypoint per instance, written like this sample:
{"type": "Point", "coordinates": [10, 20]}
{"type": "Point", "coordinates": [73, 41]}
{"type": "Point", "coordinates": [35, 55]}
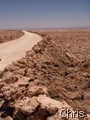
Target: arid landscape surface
{"type": "Point", "coordinates": [8, 35]}
{"type": "Point", "coordinates": [71, 52]}
{"type": "Point", "coordinates": [55, 74]}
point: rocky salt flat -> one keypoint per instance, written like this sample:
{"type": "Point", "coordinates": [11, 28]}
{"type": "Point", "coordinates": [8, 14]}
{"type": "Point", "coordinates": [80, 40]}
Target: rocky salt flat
{"type": "Point", "coordinates": [9, 35]}
{"type": "Point", "coordinates": [52, 76]}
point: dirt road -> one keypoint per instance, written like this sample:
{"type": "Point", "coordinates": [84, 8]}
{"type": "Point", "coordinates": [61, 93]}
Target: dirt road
{"type": "Point", "coordinates": [14, 50]}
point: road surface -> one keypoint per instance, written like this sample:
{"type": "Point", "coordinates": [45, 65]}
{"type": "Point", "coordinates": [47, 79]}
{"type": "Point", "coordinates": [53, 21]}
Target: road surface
{"type": "Point", "coordinates": [16, 49]}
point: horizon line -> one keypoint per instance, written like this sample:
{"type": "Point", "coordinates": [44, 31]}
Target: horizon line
{"type": "Point", "coordinates": [47, 28]}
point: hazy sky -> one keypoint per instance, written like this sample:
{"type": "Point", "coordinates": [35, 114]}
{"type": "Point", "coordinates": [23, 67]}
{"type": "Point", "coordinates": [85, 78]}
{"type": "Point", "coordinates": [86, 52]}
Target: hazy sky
{"type": "Point", "coordinates": [44, 13]}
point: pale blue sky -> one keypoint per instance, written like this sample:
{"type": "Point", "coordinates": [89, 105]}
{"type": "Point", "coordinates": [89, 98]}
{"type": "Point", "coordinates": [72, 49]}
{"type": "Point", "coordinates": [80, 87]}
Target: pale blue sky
{"type": "Point", "coordinates": [44, 13]}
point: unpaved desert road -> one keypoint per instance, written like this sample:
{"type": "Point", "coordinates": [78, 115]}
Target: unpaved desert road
{"type": "Point", "coordinates": [16, 49]}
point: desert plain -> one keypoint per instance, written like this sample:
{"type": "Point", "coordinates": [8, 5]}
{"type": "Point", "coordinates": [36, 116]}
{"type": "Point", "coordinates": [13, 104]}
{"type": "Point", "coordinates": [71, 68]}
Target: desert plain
{"type": "Point", "coordinates": [54, 74]}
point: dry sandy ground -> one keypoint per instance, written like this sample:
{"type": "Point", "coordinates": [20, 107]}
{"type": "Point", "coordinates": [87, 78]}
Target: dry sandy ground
{"type": "Point", "coordinates": [14, 50]}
